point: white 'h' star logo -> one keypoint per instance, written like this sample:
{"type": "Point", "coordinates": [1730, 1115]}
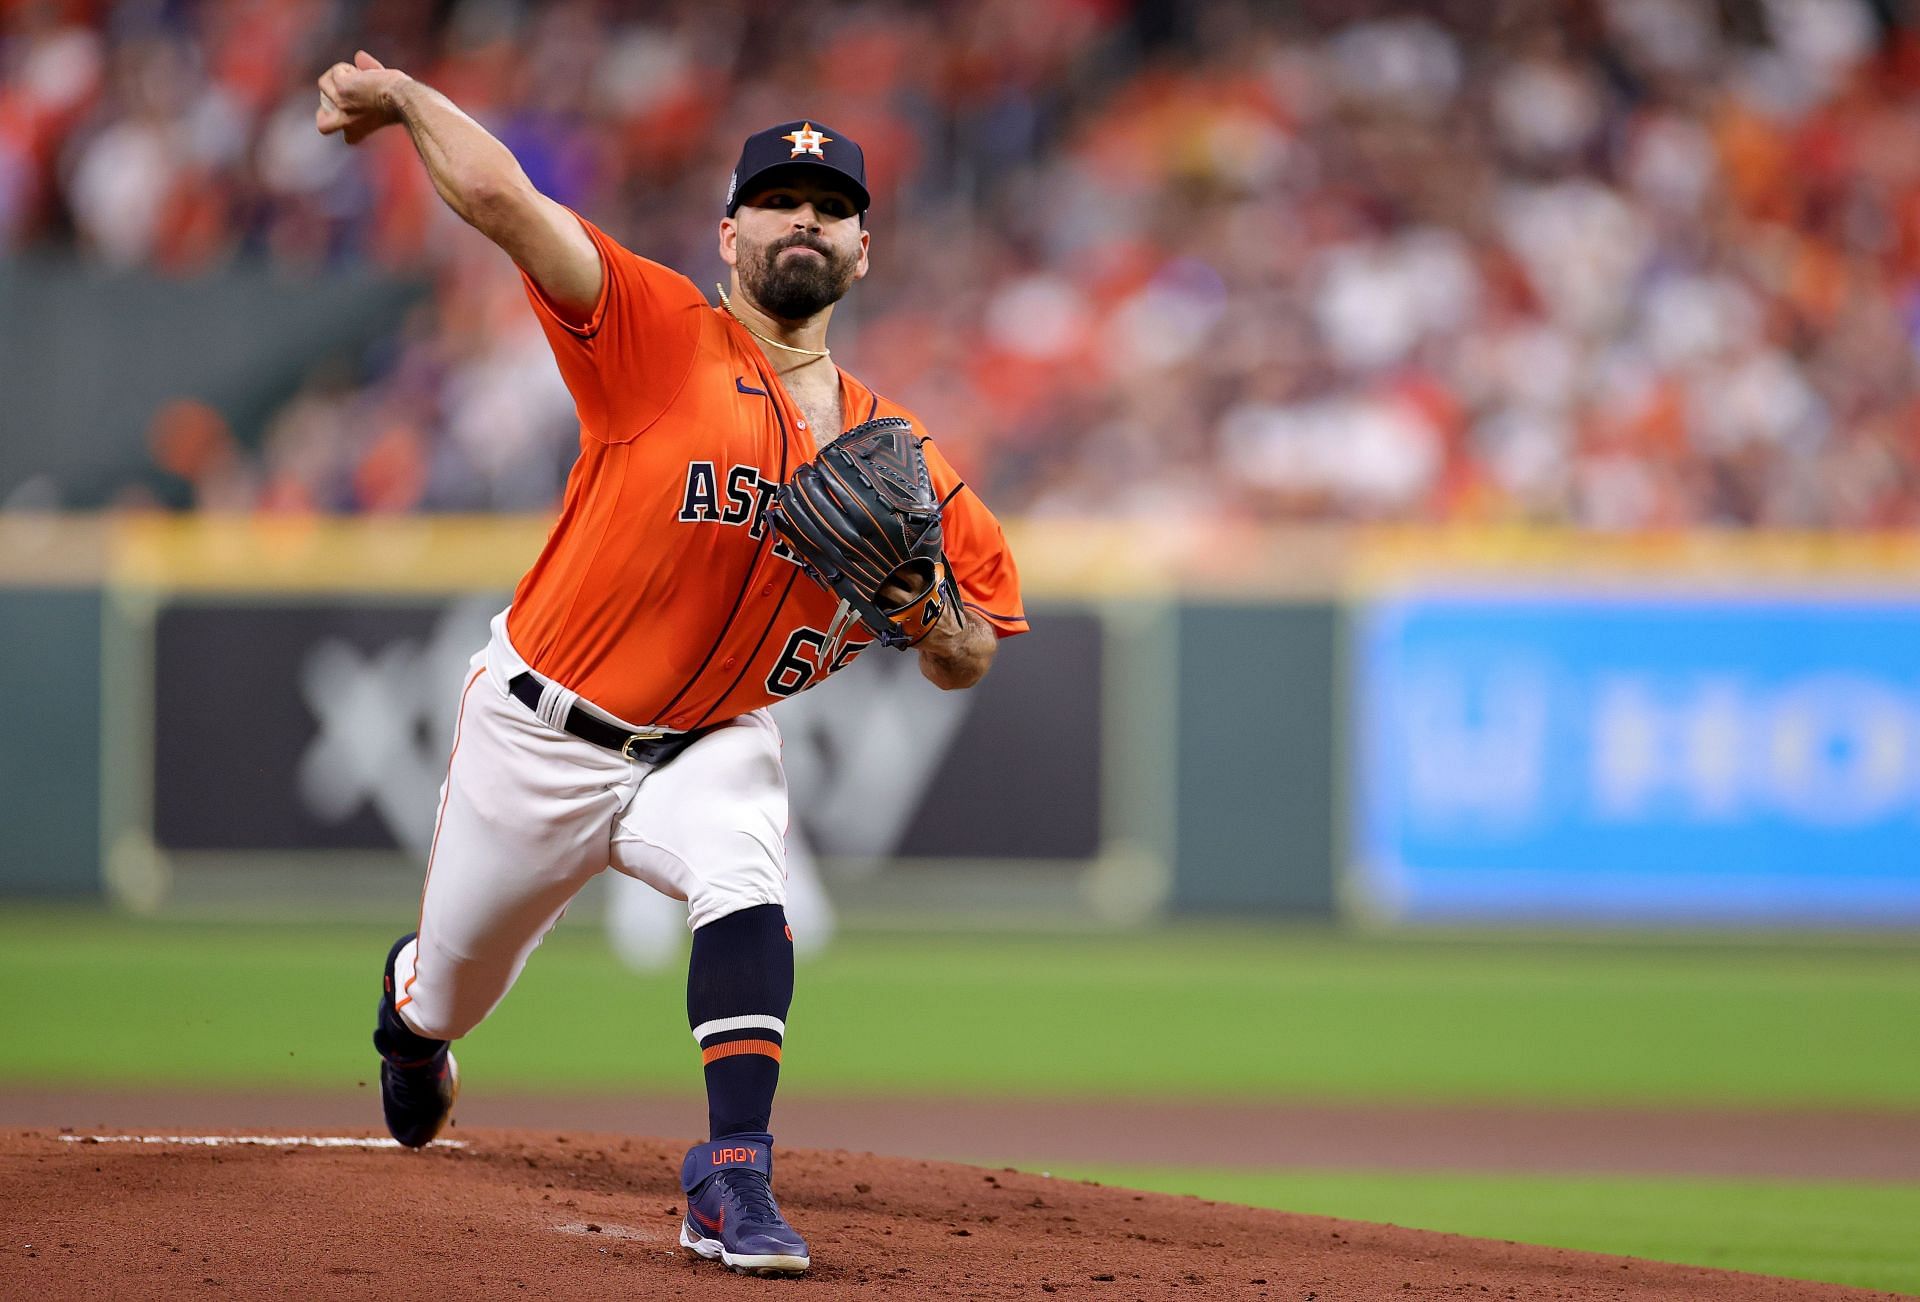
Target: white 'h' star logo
{"type": "Point", "coordinates": [807, 141]}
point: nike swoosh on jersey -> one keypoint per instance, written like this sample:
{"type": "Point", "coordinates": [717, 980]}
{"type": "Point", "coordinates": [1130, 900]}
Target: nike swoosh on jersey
{"type": "Point", "coordinates": [740, 383]}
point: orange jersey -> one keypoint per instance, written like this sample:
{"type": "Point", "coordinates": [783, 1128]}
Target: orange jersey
{"type": "Point", "coordinates": [661, 596]}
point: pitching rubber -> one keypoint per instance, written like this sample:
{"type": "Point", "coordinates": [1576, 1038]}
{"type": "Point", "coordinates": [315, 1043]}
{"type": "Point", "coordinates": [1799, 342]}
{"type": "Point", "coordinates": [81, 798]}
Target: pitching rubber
{"type": "Point", "coordinates": [767, 1266]}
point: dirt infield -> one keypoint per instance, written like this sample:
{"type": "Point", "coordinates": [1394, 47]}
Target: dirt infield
{"type": "Point", "coordinates": [594, 1216]}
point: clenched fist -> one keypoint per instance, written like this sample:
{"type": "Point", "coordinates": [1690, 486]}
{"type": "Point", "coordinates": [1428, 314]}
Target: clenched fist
{"type": "Point", "coordinates": [358, 98]}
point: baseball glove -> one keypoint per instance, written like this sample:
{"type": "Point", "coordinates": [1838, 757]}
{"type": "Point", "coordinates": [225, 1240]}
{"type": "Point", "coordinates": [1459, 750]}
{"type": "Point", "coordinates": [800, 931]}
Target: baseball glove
{"type": "Point", "coordinates": [863, 516]}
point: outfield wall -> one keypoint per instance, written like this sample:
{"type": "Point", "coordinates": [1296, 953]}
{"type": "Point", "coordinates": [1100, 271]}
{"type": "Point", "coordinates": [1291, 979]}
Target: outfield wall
{"type": "Point", "coordinates": [1403, 727]}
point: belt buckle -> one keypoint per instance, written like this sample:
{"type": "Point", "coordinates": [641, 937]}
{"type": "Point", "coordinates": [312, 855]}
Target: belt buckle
{"type": "Point", "coordinates": [634, 739]}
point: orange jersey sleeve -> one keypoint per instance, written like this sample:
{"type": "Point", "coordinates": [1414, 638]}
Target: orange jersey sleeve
{"type": "Point", "coordinates": [628, 360]}
{"type": "Point", "coordinates": [977, 549]}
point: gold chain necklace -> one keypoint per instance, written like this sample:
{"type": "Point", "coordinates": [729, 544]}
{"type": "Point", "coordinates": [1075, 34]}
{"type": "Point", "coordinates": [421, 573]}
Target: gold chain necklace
{"type": "Point", "coordinates": [727, 303]}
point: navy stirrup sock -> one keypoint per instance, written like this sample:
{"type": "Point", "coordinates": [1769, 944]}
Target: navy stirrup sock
{"type": "Point", "coordinates": [739, 988]}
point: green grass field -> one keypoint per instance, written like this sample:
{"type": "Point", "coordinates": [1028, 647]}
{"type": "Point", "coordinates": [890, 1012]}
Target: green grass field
{"type": "Point", "coordinates": [1842, 1233]}
{"type": "Point", "coordinates": [1306, 1014]}
{"type": "Point", "coordinates": [1229, 1013]}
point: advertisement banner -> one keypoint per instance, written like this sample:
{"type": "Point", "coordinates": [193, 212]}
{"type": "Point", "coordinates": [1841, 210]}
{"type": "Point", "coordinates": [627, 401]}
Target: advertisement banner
{"type": "Point", "coordinates": [1638, 759]}
{"type": "Point", "coordinates": [296, 726]}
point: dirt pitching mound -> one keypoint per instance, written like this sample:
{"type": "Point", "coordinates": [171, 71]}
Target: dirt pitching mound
{"type": "Point", "coordinates": [587, 1216]}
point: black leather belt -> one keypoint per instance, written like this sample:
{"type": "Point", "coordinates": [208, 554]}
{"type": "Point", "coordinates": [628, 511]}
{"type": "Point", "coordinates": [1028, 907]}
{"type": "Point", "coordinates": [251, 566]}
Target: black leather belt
{"type": "Point", "coordinates": [653, 746]}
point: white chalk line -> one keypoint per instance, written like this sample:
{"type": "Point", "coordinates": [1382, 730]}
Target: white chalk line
{"type": "Point", "coordinates": [626, 1233]}
{"type": "Point", "coordinates": [257, 1141]}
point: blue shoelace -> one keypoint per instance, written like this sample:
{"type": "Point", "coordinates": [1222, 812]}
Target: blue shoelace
{"type": "Point", "coordinates": [752, 1194]}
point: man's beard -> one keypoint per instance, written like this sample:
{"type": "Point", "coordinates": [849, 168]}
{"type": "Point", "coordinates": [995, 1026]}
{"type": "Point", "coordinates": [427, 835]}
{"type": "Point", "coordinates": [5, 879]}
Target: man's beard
{"type": "Point", "coordinates": [794, 289]}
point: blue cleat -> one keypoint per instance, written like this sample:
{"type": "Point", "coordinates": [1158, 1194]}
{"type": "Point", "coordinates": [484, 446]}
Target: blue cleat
{"type": "Point", "coordinates": [418, 1082]}
{"type": "Point", "coordinates": [731, 1216]}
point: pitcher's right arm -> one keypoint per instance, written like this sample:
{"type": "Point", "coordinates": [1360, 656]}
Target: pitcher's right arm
{"type": "Point", "coordinates": [476, 175]}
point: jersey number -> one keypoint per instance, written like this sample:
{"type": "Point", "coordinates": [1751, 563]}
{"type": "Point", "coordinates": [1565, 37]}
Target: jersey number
{"type": "Point", "coordinates": [799, 662]}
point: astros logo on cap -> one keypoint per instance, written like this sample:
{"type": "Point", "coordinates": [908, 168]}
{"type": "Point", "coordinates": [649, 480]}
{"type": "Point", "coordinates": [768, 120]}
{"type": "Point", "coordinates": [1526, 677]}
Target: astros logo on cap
{"type": "Point", "coordinates": [807, 141]}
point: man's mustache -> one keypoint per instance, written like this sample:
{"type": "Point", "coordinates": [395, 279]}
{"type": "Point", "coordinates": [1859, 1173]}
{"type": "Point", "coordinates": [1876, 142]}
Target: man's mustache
{"type": "Point", "coordinates": [778, 247]}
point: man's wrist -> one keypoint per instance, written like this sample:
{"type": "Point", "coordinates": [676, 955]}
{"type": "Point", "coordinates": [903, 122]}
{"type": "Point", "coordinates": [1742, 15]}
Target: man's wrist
{"type": "Point", "coordinates": [396, 97]}
{"type": "Point", "coordinates": [949, 632]}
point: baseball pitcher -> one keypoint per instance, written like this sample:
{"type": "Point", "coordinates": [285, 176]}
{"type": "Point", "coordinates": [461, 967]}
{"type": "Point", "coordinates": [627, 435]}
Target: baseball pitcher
{"type": "Point", "coordinates": [743, 520]}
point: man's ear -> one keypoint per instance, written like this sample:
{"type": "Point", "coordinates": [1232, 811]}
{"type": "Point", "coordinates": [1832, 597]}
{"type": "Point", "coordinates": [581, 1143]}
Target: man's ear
{"type": "Point", "coordinates": [860, 269]}
{"type": "Point", "coordinates": [729, 232]}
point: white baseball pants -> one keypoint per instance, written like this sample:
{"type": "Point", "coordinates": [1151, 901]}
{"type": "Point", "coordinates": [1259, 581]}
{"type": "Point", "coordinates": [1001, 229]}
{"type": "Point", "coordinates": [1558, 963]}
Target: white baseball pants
{"type": "Point", "coordinates": [528, 814]}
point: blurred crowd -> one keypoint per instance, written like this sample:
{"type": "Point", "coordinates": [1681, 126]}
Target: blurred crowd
{"type": "Point", "coordinates": [1624, 264]}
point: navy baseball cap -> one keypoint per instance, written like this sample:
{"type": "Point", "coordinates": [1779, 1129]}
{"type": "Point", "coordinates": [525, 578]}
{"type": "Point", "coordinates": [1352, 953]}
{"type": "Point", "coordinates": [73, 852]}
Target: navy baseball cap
{"type": "Point", "coordinates": [804, 144]}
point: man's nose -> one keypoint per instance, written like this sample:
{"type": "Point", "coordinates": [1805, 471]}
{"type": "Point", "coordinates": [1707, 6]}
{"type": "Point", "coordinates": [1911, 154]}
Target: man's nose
{"type": "Point", "coordinates": [805, 217]}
